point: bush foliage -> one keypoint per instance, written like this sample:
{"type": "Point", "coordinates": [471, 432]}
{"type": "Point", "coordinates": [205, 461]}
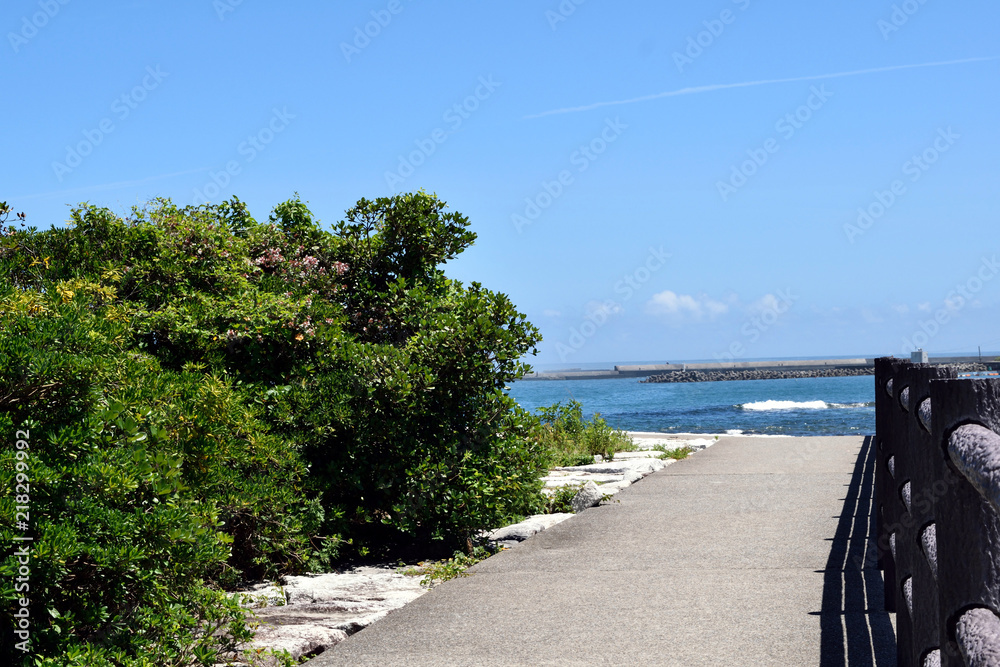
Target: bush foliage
{"type": "Point", "coordinates": [210, 399]}
{"type": "Point", "coordinates": [571, 440]}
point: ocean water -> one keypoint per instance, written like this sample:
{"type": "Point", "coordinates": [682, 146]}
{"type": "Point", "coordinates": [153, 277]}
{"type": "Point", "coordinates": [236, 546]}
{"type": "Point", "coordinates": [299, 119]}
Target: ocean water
{"type": "Point", "coordinates": [799, 406]}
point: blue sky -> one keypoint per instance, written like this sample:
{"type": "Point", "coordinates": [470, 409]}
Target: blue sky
{"type": "Point", "coordinates": [649, 181]}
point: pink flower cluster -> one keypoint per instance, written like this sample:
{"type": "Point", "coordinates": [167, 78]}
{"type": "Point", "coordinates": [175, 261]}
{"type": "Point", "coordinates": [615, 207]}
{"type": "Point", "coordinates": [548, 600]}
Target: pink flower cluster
{"type": "Point", "coordinates": [201, 246]}
{"type": "Point", "coordinates": [270, 259]}
{"type": "Point", "coordinates": [308, 327]}
{"type": "Point", "coordinates": [301, 268]}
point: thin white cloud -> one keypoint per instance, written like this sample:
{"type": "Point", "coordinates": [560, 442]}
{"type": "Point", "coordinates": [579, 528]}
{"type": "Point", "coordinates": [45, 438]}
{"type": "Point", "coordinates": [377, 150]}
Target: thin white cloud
{"type": "Point", "coordinates": [548, 312]}
{"type": "Point", "coordinates": [684, 307]}
{"type": "Point", "coordinates": [746, 84]}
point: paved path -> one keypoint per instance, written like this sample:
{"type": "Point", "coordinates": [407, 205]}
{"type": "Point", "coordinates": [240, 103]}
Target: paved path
{"type": "Point", "coordinates": [748, 553]}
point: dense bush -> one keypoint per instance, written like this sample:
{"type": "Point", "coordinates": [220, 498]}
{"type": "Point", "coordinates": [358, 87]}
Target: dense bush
{"type": "Point", "coordinates": [125, 505]}
{"type": "Point", "coordinates": [211, 399]}
{"type": "Point", "coordinates": [570, 440]}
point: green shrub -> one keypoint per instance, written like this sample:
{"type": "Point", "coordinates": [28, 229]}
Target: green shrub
{"type": "Point", "coordinates": [147, 488]}
{"type": "Point", "coordinates": [405, 420]}
{"type": "Point", "coordinates": [213, 400]}
{"type": "Point", "coordinates": [571, 440]}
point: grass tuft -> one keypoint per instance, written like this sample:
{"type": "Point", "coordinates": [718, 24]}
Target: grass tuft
{"type": "Point", "coordinates": [436, 572]}
{"type": "Point", "coordinates": [676, 453]}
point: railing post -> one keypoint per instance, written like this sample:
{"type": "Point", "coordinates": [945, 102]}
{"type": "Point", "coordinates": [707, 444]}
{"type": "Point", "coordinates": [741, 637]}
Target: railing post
{"type": "Point", "coordinates": [921, 467]}
{"type": "Point", "coordinates": [968, 524]}
{"type": "Point", "coordinates": [886, 444]}
{"type": "Point", "coordinates": [898, 498]}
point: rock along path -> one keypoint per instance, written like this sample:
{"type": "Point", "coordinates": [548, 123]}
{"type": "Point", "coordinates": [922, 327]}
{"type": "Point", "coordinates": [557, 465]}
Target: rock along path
{"type": "Point", "coordinates": [754, 552]}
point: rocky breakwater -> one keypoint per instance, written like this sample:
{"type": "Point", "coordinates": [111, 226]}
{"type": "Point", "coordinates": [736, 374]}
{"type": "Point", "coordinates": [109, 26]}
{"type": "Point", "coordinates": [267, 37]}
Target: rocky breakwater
{"type": "Point", "coordinates": [770, 374]}
{"type": "Point", "coordinates": [755, 374]}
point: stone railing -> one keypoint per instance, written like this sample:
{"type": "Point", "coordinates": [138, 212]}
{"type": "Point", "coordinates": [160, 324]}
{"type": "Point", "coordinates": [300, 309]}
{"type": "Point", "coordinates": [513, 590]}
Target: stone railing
{"type": "Point", "coordinates": [937, 486]}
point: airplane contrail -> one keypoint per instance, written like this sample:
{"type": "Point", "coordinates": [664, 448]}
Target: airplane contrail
{"type": "Point", "coordinates": [746, 84]}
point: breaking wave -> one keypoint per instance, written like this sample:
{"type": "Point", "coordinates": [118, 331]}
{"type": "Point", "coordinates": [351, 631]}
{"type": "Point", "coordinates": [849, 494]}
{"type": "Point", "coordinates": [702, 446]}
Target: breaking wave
{"type": "Point", "coordinates": [761, 406]}
{"type": "Point", "coordinates": [785, 405]}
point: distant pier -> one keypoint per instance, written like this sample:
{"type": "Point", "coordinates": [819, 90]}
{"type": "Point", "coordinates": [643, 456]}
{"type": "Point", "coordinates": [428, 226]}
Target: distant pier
{"type": "Point", "coordinates": [849, 366]}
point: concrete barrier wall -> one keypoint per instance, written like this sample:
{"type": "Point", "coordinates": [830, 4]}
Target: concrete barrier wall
{"type": "Point", "coordinates": [645, 370]}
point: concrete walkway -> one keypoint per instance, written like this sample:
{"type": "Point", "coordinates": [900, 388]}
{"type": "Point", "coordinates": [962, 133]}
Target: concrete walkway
{"type": "Point", "coordinates": [751, 552]}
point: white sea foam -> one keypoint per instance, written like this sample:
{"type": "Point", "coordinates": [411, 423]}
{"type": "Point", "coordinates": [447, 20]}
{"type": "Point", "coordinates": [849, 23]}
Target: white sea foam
{"type": "Point", "coordinates": [785, 405]}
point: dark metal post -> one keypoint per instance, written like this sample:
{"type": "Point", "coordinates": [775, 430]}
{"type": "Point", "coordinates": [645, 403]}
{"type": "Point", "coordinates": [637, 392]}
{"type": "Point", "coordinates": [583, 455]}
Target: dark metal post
{"type": "Point", "coordinates": [898, 500]}
{"type": "Point", "coordinates": [885, 446]}
{"type": "Point", "coordinates": [922, 468]}
{"type": "Point", "coordinates": [968, 525]}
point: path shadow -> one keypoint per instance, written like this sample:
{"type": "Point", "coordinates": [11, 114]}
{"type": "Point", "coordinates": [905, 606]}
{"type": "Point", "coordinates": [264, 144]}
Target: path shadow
{"type": "Point", "coordinates": [856, 630]}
